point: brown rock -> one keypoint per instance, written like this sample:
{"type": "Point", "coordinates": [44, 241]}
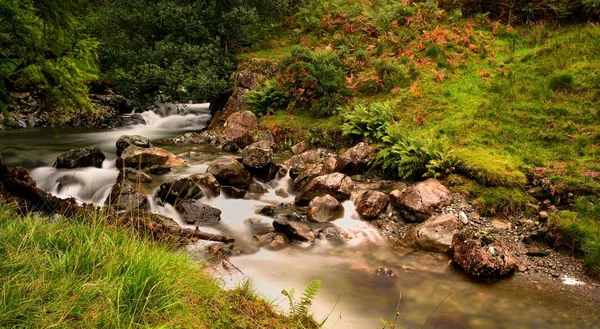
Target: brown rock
{"type": "Point", "coordinates": [239, 130]}
{"type": "Point", "coordinates": [299, 148]}
{"type": "Point", "coordinates": [208, 182]}
{"type": "Point", "coordinates": [356, 159]}
{"type": "Point", "coordinates": [435, 234]}
{"type": "Point", "coordinates": [195, 212]}
{"type": "Point", "coordinates": [271, 239]}
{"type": "Point", "coordinates": [337, 185]}
{"type": "Point", "coordinates": [127, 140]}
{"type": "Point", "coordinates": [371, 204]}
{"type": "Point", "coordinates": [295, 230]}
{"type": "Point", "coordinates": [324, 208]}
{"type": "Point", "coordinates": [139, 157]}
{"type": "Point", "coordinates": [179, 190]}
{"type": "Point", "coordinates": [417, 203]}
{"type": "Point", "coordinates": [482, 257]}
{"type": "Point", "coordinates": [230, 172]}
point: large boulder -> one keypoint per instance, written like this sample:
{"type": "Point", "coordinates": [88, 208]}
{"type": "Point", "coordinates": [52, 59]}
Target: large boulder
{"type": "Point", "coordinates": [128, 140]}
{"type": "Point", "coordinates": [141, 158]}
{"type": "Point", "coordinates": [230, 172]}
{"type": "Point", "coordinates": [195, 212]}
{"type": "Point", "coordinates": [124, 196]}
{"type": "Point", "coordinates": [85, 157]}
{"type": "Point", "coordinates": [179, 190]}
{"type": "Point", "coordinates": [482, 257]}
{"type": "Point", "coordinates": [308, 165]}
{"type": "Point", "coordinates": [295, 230]}
{"type": "Point", "coordinates": [239, 130]}
{"type": "Point", "coordinates": [356, 159]}
{"type": "Point", "coordinates": [257, 156]}
{"type": "Point", "coordinates": [324, 208]}
{"type": "Point", "coordinates": [418, 203]}
{"type": "Point", "coordinates": [337, 185]}
{"type": "Point", "coordinates": [209, 183]}
{"type": "Point", "coordinates": [271, 239]}
{"type": "Point", "coordinates": [371, 203]}
{"type": "Point", "coordinates": [436, 233]}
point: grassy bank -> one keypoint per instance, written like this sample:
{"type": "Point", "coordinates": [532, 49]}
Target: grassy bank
{"type": "Point", "coordinates": [83, 273]}
{"type": "Point", "coordinates": [443, 93]}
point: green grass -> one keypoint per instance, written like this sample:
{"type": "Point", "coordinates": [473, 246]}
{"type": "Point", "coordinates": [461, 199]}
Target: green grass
{"type": "Point", "coordinates": [83, 273]}
{"type": "Point", "coordinates": [581, 227]}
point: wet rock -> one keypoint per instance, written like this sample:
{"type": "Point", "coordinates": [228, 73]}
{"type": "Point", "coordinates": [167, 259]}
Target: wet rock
{"type": "Point", "coordinates": [481, 258]}
{"type": "Point", "coordinates": [128, 140]}
{"type": "Point", "coordinates": [221, 250]}
{"type": "Point", "coordinates": [271, 239]}
{"type": "Point", "coordinates": [371, 204]}
{"type": "Point", "coordinates": [356, 159]}
{"type": "Point", "coordinates": [307, 165]}
{"type": "Point", "coordinates": [337, 185]}
{"type": "Point", "coordinates": [257, 156]}
{"type": "Point", "coordinates": [435, 234]}
{"type": "Point", "coordinates": [386, 272]}
{"type": "Point", "coordinates": [157, 170]}
{"type": "Point", "coordinates": [134, 176]}
{"type": "Point", "coordinates": [332, 233]}
{"type": "Point", "coordinates": [125, 197]}
{"type": "Point", "coordinates": [281, 192]}
{"type": "Point", "coordinates": [324, 208]}
{"type": "Point", "coordinates": [295, 230]}
{"type": "Point", "coordinates": [195, 212]}
{"type": "Point", "coordinates": [139, 157]}
{"type": "Point", "coordinates": [299, 148]}
{"type": "Point", "coordinates": [238, 131]}
{"type": "Point", "coordinates": [230, 172]}
{"type": "Point", "coordinates": [233, 192]}
{"type": "Point", "coordinates": [208, 182]}
{"type": "Point", "coordinates": [66, 182]}
{"type": "Point", "coordinates": [268, 211]}
{"type": "Point", "coordinates": [252, 220]}
{"type": "Point", "coordinates": [179, 190]}
{"type": "Point", "coordinates": [417, 203]}
{"type": "Point", "coordinates": [79, 158]}
{"type": "Point", "coordinates": [257, 188]}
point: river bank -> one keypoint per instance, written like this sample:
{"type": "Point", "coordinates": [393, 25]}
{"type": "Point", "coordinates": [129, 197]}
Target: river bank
{"type": "Point", "coordinates": [367, 271]}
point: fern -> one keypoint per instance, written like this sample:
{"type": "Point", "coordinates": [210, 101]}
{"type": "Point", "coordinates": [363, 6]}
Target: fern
{"type": "Point", "coordinates": [371, 121]}
{"type": "Point", "coordinates": [409, 158]}
{"type": "Point", "coordinates": [266, 99]}
{"type": "Point", "coordinates": [300, 309]}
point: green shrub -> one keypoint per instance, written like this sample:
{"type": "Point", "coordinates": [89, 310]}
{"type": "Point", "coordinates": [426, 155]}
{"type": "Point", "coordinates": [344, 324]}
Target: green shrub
{"type": "Point", "coordinates": [370, 121]}
{"type": "Point", "coordinates": [410, 158]}
{"type": "Point", "coordinates": [561, 81]}
{"type": "Point", "coordinates": [582, 227]}
{"type": "Point", "coordinates": [313, 81]}
{"type": "Point", "coordinates": [266, 99]}
{"type": "Point", "coordinates": [392, 75]}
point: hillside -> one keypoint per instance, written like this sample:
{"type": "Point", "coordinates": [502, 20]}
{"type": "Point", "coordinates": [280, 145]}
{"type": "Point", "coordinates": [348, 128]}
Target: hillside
{"type": "Point", "coordinates": [506, 114]}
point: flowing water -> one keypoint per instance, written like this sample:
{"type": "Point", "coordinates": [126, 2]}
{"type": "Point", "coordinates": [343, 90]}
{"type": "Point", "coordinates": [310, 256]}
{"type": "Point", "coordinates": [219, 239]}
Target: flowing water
{"type": "Point", "coordinates": [430, 293]}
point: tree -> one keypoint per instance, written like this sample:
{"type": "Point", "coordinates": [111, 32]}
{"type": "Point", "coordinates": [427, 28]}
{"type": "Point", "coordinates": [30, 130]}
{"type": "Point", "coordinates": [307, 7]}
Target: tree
{"type": "Point", "coordinates": [43, 50]}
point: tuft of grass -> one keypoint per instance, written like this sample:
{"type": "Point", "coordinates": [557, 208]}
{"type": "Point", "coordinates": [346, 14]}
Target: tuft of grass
{"type": "Point", "coordinates": [488, 168]}
{"type": "Point", "coordinates": [84, 273]}
{"type": "Point", "coordinates": [582, 227]}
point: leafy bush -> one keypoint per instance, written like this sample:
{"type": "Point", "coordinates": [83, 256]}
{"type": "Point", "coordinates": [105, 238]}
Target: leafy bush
{"type": "Point", "coordinates": [313, 81]}
{"type": "Point", "coordinates": [266, 99]}
{"type": "Point", "coordinates": [410, 158]}
{"type": "Point", "coordinates": [370, 121]}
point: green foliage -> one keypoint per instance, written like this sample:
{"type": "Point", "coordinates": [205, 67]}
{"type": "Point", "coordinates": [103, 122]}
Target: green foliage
{"type": "Point", "coordinates": [501, 200]}
{"type": "Point", "coordinates": [489, 169]}
{"type": "Point", "coordinates": [370, 121]}
{"type": "Point", "coordinates": [170, 49]}
{"type": "Point", "coordinates": [41, 45]}
{"type": "Point", "coordinates": [300, 309]}
{"type": "Point", "coordinates": [411, 158]}
{"type": "Point", "coordinates": [313, 81]}
{"type": "Point", "coordinates": [582, 228]}
{"type": "Point", "coordinates": [266, 99]}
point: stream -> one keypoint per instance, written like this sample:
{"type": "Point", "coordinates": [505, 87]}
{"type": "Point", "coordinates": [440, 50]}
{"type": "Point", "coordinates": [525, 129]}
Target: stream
{"type": "Point", "coordinates": [433, 293]}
